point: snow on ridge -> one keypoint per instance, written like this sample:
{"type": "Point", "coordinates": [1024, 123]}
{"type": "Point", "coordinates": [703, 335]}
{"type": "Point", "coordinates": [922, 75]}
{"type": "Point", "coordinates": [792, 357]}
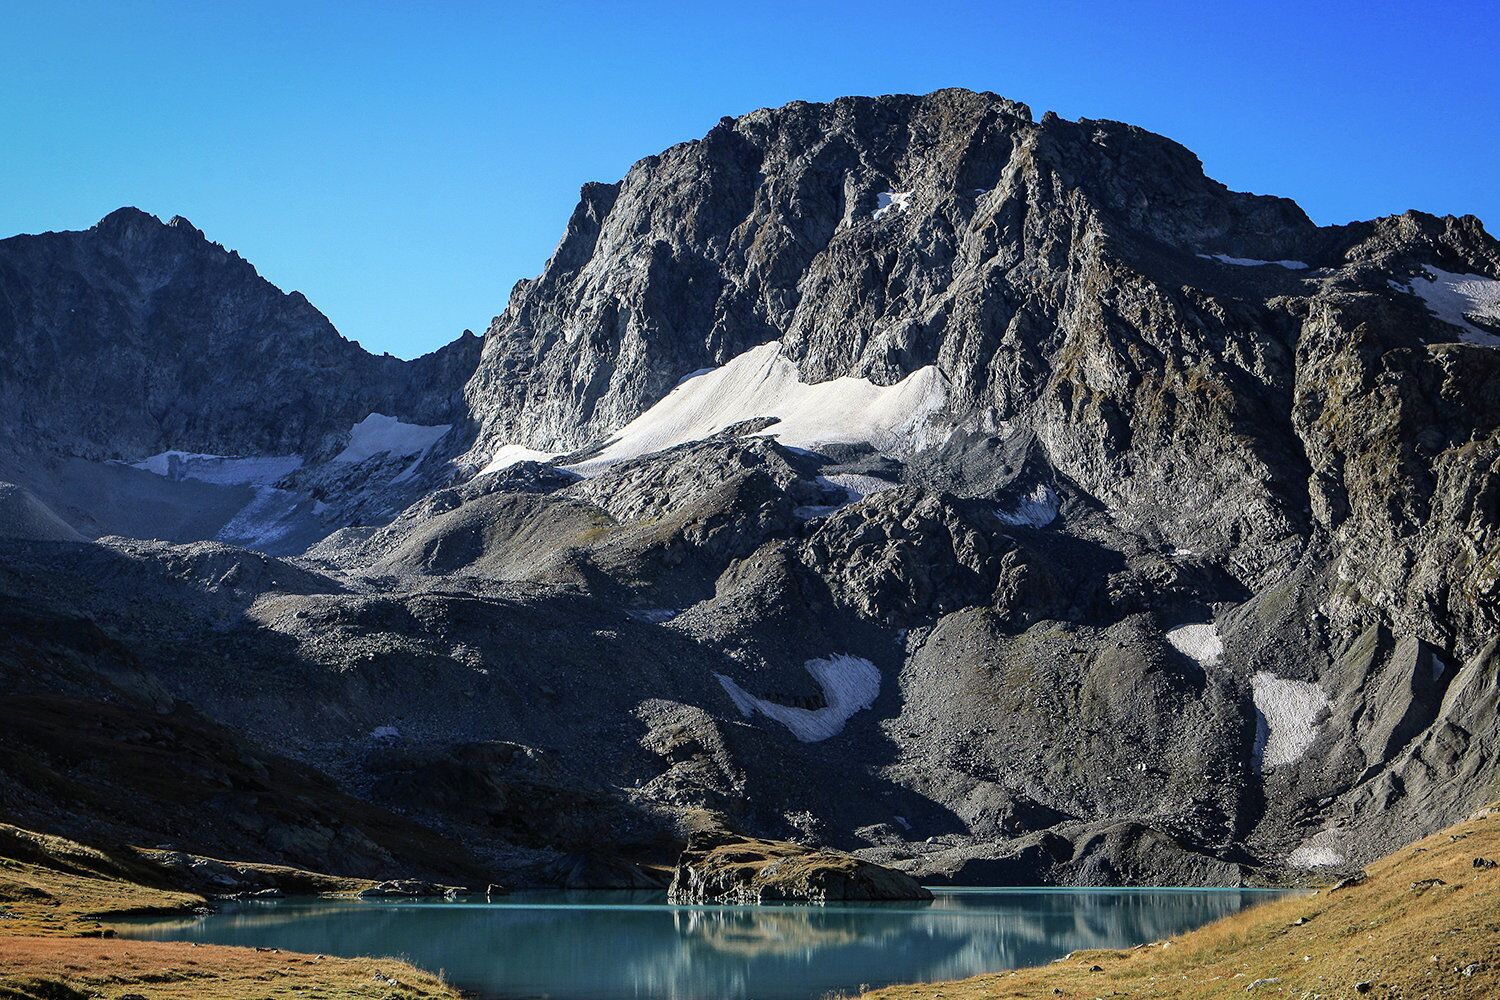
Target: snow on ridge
{"type": "Point", "coordinates": [850, 684]}
{"type": "Point", "coordinates": [379, 434]}
{"type": "Point", "coordinates": [886, 201]}
{"type": "Point", "coordinates": [1198, 642]}
{"type": "Point", "coordinates": [1288, 715]}
{"type": "Point", "coordinates": [513, 454]}
{"type": "Point", "coordinates": [1291, 265]}
{"type": "Point", "coordinates": [1454, 298]}
{"type": "Point", "coordinates": [1036, 510]}
{"type": "Point", "coordinates": [761, 382]}
{"type": "Point", "coordinates": [221, 470]}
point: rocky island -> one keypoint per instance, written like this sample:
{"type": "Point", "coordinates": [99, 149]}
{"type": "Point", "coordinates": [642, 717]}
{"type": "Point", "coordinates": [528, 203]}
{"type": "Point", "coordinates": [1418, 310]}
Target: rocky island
{"type": "Point", "coordinates": [724, 868]}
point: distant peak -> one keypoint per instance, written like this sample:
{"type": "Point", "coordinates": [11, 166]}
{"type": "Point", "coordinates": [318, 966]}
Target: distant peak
{"type": "Point", "coordinates": [121, 218]}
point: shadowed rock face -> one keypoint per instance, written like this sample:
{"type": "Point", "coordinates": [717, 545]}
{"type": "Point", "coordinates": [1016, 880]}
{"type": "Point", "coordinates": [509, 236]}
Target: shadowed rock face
{"type": "Point", "coordinates": [1174, 560]}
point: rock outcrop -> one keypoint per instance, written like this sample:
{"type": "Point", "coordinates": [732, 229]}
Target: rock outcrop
{"type": "Point", "coordinates": [724, 868]}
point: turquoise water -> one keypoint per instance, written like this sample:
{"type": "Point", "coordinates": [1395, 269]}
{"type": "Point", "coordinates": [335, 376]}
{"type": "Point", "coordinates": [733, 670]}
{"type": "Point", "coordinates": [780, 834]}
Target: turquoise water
{"type": "Point", "coordinates": [609, 945]}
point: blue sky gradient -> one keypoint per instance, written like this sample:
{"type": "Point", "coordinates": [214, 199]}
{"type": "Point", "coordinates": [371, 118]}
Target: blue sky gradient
{"type": "Point", "coordinates": [403, 164]}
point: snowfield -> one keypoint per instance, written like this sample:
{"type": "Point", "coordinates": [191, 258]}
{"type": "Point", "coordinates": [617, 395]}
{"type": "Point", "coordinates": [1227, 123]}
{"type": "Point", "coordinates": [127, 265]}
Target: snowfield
{"type": "Point", "coordinates": [1458, 299]}
{"type": "Point", "coordinates": [379, 434]}
{"type": "Point", "coordinates": [1291, 265]}
{"type": "Point", "coordinates": [1198, 642]}
{"type": "Point", "coordinates": [270, 514]}
{"type": "Point", "coordinates": [269, 517]}
{"type": "Point", "coordinates": [850, 684]}
{"type": "Point", "coordinates": [763, 383]}
{"type": "Point", "coordinates": [1289, 714]}
{"type": "Point", "coordinates": [221, 470]}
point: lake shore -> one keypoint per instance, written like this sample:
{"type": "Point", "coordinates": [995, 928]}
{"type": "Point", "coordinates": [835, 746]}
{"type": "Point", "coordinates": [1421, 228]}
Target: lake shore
{"type": "Point", "coordinates": [60, 903]}
{"type": "Point", "coordinates": [57, 901]}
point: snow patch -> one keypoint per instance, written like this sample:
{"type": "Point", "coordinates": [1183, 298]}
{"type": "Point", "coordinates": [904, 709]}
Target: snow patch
{"type": "Point", "coordinates": [513, 454]}
{"type": "Point", "coordinates": [900, 201]}
{"type": "Point", "coordinates": [850, 684]}
{"type": "Point", "coordinates": [1036, 510]}
{"type": "Point", "coordinates": [1198, 642]}
{"type": "Point", "coordinates": [1288, 715]}
{"type": "Point", "coordinates": [1322, 850]}
{"type": "Point", "coordinates": [763, 383]}
{"type": "Point", "coordinates": [379, 434]}
{"type": "Point", "coordinates": [653, 616]}
{"type": "Point", "coordinates": [269, 517]}
{"type": "Point", "coordinates": [855, 488]}
{"type": "Point", "coordinates": [1459, 299]}
{"type": "Point", "coordinates": [385, 733]}
{"type": "Point", "coordinates": [222, 470]}
{"type": "Point", "coordinates": [1291, 265]}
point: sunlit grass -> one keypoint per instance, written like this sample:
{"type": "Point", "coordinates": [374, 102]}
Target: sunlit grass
{"type": "Point", "coordinates": [56, 897]}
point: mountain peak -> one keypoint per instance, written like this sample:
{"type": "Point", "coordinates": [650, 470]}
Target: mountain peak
{"type": "Point", "coordinates": [126, 217]}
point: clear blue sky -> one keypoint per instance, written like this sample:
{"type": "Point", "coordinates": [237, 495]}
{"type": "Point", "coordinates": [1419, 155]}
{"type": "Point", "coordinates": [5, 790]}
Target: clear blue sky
{"type": "Point", "coordinates": [403, 164]}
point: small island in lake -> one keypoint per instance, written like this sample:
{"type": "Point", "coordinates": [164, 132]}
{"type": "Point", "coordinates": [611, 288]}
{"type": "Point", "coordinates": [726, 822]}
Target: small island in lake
{"type": "Point", "coordinates": [720, 867]}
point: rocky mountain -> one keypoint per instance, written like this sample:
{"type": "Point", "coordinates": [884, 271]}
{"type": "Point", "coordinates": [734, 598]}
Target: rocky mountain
{"type": "Point", "coordinates": [999, 500]}
{"type": "Point", "coordinates": [137, 356]}
{"type": "Point", "coordinates": [137, 337]}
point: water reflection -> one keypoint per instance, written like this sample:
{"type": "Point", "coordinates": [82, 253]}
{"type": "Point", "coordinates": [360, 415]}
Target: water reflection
{"type": "Point", "coordinates": [600, 946]}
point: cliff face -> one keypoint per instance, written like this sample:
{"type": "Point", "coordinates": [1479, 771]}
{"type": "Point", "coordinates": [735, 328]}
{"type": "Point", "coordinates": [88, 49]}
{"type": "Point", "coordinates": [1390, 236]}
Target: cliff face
{"type": "Point", "coordinates": [137, 337]}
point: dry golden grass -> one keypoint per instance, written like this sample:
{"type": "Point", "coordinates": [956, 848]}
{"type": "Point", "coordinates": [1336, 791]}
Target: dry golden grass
{"type": "Point", "coordinates": [63, 968]}
{"type": "Point", "coordinates": [49, 885]}
{"type": "Point", "coordinates": [56, 896]}
{"type": "Point", "coordinates": [1404, 941]}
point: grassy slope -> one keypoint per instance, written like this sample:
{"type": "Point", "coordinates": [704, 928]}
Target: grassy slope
{"type": "Point", "coordinates": [54, 893]}
{"type": "Point", "coordinates": [1403, 941]}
